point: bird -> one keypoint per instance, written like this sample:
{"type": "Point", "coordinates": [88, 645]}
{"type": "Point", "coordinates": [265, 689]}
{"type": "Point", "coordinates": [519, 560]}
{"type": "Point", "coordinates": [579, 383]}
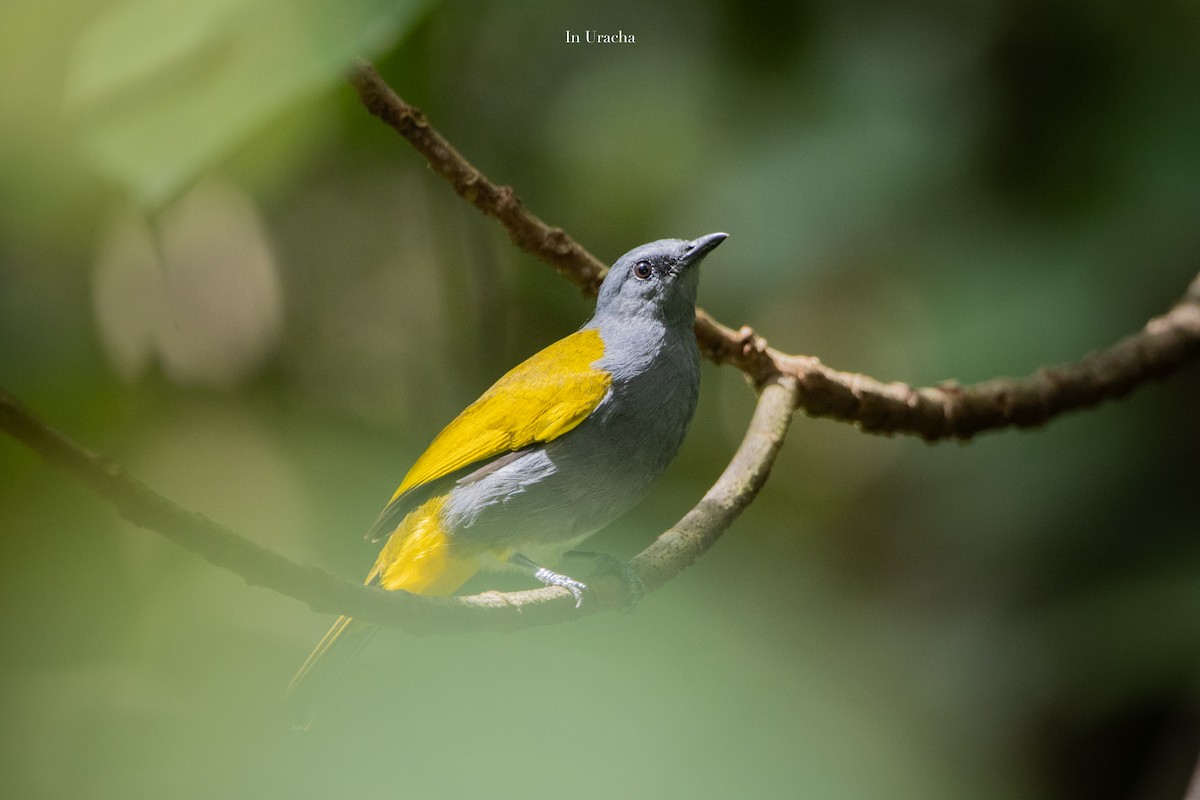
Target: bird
{"type": "Point", "coordinates": [559, 447]}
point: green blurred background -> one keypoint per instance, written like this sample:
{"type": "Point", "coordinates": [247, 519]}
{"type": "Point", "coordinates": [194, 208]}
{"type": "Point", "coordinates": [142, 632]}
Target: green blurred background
{"type": "Point", "coordinates": [217, 268]}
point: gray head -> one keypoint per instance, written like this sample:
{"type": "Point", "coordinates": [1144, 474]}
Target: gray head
{"type": "Point", "coordinates": [656, 280]}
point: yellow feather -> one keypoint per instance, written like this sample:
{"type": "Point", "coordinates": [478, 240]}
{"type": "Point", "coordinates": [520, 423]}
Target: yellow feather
{"type": "Point", "coordinates": [537, 401]}
{"type": "Point", "coordinates": [417, 557]}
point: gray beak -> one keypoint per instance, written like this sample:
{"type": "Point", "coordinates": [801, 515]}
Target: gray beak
{"type": "Point", "coordinates": [695, 250]}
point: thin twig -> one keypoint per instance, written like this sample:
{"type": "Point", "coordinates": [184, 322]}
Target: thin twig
{"type": "Point", "coordinates": [948, 411]}
{"type": "Point", "coordinates": [669, 555]}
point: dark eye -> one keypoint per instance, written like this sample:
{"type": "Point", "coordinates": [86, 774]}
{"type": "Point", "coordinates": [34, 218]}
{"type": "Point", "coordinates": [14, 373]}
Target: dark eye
{"type": "Point", "coordinates": [642, 270]}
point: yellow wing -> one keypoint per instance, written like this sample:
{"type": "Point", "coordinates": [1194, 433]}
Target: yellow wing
{"type": "Point", "coordinates": [537, 401]}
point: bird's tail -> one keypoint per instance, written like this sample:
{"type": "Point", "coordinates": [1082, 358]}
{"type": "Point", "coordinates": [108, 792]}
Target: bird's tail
{"type": "Point", "coordinates": [324, 665]}
{"type": "Point", "coordinates": [417, 559]}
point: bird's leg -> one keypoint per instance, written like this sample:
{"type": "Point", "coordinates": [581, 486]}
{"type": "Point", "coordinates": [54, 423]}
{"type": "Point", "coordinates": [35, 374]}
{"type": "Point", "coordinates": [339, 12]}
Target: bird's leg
{"type": "Point", "coordinates": [550, 577]}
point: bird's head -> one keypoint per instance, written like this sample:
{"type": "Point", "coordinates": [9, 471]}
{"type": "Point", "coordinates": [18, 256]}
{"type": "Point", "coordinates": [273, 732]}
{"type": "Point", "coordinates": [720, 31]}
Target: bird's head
{"type": "Point", "coordinates": [657, 279]}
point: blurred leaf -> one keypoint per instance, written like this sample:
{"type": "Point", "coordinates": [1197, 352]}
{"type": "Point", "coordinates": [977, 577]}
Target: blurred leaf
{"type": "Point", "coordinates": [165, 87]}
{"type": "Point", "coordinates": [200, 293]}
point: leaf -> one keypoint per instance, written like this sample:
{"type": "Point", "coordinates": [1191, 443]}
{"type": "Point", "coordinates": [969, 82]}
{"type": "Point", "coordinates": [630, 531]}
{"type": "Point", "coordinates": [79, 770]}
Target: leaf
{"type": "Point", "coordinates": [199, 294]}
{"type": "Point", "coordinates": [163, 88]}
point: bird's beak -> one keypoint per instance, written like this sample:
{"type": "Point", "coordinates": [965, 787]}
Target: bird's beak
{"type": "Point", "coordinates": [695, 250]}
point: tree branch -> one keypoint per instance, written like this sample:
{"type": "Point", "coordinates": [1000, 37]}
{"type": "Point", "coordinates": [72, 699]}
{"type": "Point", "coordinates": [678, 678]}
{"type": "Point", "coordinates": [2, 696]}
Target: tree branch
{"type": "Point", "coordinates": [669, 555]}
{"type": "Point", "coordinates": [940, 412]}
{"type": "Point", "coordinates": [1164, 344]}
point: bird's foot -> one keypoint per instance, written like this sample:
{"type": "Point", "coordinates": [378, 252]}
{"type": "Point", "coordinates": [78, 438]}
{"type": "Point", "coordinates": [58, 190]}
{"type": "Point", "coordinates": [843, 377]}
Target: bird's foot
{"type": "Point", "coordinates": [552, 578]}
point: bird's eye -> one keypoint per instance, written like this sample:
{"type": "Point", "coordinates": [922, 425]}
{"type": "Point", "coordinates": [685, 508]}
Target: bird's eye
{"type": "Point", "coordinates": [642, 270]}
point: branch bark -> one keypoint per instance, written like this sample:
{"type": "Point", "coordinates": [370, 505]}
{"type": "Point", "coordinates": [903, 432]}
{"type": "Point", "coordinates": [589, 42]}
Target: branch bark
{"type": "Point", "coordinates": [947, 411]}
{"type": "Point", "coordinates": [669, 555]}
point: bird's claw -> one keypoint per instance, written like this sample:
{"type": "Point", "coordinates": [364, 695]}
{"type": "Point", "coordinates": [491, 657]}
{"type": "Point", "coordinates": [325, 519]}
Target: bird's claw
{"type": "Point", "coordinates": [552, 578]}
